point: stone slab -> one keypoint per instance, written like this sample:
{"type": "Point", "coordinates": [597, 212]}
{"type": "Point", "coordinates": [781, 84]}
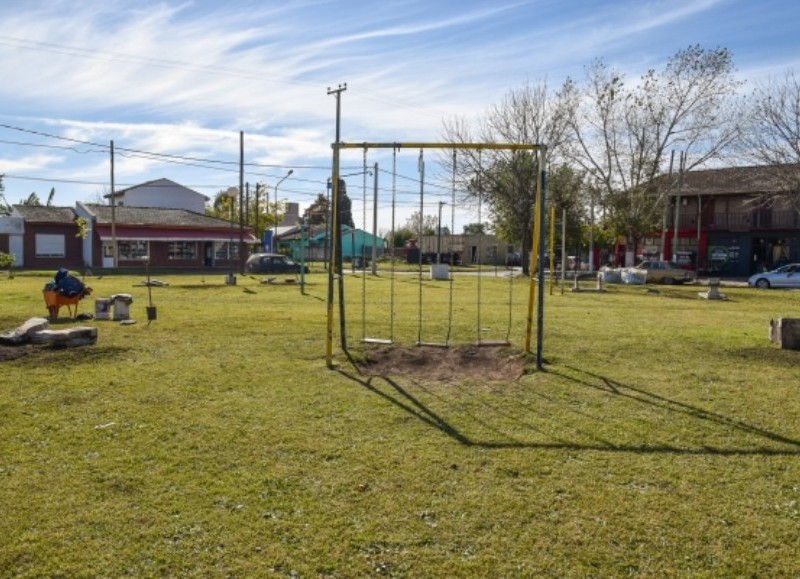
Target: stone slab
{"type": "Point", "coordinates": [77, 336]}
{"type": "Point", "coordinates": [23, 333]}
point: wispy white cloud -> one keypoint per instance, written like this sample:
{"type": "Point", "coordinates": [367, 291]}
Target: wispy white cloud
{"type": "Point", "coordinates": [413, 29]}
{"type": "Point", "coordinates": [29, 162]}
{"type": "Point", "coordinates": [184, 77]}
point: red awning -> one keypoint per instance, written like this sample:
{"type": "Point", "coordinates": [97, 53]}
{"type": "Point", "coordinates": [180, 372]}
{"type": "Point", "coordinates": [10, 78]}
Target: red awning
{"type": "Point", "coordinates": [171, 234]}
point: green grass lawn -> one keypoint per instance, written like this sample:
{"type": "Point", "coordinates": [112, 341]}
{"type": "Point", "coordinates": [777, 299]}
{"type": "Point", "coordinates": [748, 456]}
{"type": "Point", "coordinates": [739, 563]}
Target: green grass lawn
{"type": "Point", "coordinates": [661, 439]}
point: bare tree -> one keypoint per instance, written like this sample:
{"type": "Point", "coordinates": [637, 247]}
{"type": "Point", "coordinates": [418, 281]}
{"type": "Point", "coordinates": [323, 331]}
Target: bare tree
{"type": "Point", "coordinates": [422, 224]}
{"type": "Point", "coordinates": [622, 137]}
{"type": "Point", "coordinates": [774, 137]}
{"type": "Point", "coordinates": [505, 180]}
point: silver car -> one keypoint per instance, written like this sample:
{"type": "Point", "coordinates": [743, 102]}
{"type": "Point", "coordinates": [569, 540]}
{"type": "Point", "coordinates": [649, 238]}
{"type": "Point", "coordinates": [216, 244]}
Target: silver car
{"type": "Point", "coordinates": [784, 276]}
{"type": "Point", "coordinates": [666, 272]}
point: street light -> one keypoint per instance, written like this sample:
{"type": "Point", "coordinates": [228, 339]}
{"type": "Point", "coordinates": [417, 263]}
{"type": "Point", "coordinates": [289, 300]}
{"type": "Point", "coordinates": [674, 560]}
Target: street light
{"type": "Point", "coordinates": [303, 228]}
{"type": "Point", "coordinates": [259, 187]}
{"type": "Point", "coordinates": [275, 236]}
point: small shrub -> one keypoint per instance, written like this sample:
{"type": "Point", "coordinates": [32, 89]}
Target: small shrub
{"type": "Point", "coordinates": [7, 262]}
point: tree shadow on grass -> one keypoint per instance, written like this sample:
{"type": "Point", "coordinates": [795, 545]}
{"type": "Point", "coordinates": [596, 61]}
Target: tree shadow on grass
{"type": "Point", "coordinates": [404, 399]}
{"type": "Point", "coordinates": [774, 357]}
{"type": "Point", "coordinates": [642, 396]}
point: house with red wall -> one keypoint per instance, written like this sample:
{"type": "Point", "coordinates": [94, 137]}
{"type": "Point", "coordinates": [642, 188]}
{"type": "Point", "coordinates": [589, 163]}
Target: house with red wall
{"type": "Point", "coordinates": [42, 237]}
{"type": "Point", "coordinates": [174, 238]}
{"type": "Point", "coordinates": [171, 234]}
{"type": "Point", "coordinates": [731, 222]}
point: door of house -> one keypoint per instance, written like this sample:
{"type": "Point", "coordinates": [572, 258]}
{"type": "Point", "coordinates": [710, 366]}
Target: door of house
{"type": "Point", "coordinates": [208, 254]}
{"type": "Point", "coordinates": [108, 254]}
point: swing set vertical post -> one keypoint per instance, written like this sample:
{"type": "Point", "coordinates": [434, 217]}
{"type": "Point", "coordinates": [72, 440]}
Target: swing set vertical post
{"type": "Point", "coordinates": [542, 187]}
{"type": "Point", "coordinates": [552, 250]}
{"type": "Point", "coordinates": [335, 232]}
{"type": "Point", "coordinates": [374, 265]}
{"type": "Point", "coordinates": [537, 259]}
{"type": "Point", "coordinates": [334, 240]}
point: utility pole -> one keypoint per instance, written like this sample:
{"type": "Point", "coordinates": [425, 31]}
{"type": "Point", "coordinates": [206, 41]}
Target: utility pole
{"type": "Point", "coordinates": [665, 219]}
{"type": "Point", "coordinates": [439, 234]}
{"type": "Point", "coordinates": [278, 184]}
{"type": "Point", "coordinates": [335, 264]}
{"type": "Point", "coordinates": [241, 205]}
{"type": "Point", "coordinates": [375, 222]}
{"type": "Point", "coordinates": [271, 248]}
{"type": "Point", "coordinates": [113, 214]}
{"type": "Point", "coordinates": [255, 209]}
{"type": "Point", "coordinates": [247, 203]}
{"type": "Point", "coordinates": [326, 256]}
{"type": "Point", "coordinates": [681, 169]}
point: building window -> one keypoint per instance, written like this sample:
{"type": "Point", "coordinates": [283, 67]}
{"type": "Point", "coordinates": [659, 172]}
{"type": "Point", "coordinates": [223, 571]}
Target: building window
{"type": "Point", "coordinates": [49, 245]}
{"type": "Point", "coordinates": [182, 250]}
{"type": "Point", "coordinates": [686, 251]}
{"type": "Point", "coordinates": [651, 248]}
{"type": "Point", "coordinates": [224, 250]}
{"type": "Point", "coordinates": [131, 250]}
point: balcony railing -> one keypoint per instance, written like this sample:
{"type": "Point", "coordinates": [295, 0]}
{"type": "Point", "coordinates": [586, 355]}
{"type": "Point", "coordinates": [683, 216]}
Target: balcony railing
{"type": "Point", "coordinates": [684, 221]}
{"type": "Point", "coordinates": [784, 219]}
{"type": "Point", "coordinates": [757, 219]}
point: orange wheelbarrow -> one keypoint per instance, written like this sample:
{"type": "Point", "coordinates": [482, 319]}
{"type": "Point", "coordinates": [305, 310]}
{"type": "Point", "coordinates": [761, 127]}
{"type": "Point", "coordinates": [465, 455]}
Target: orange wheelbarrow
{"type": "Point", "coordinates": [55, 300]}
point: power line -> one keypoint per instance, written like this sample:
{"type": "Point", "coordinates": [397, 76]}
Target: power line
{"type": "Point", "coordinates": [77, 51]}
{"type": "Point", "coordinates": [80, 52]}
{"type": "Point", "coordinates": [165, 157]}
{"type": "Point", "coordinates": [438, 189]}
{"type": "Point", "coordinates": [43, 146]}
{"type": "Point", "coordinates": [214, 164]}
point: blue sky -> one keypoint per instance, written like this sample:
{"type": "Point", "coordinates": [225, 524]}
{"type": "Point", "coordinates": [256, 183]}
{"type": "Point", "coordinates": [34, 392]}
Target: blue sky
{"type": "Point", "coordinates": [183, 78]}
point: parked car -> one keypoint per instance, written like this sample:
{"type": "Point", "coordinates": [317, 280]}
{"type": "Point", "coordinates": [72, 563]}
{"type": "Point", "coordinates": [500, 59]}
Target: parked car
{"type": "Point", "coordinates": [272, 263]}
{"type": "Point", "coordinates": [667, 272]}
{"type": "Point", "coordinates": [784, 276]}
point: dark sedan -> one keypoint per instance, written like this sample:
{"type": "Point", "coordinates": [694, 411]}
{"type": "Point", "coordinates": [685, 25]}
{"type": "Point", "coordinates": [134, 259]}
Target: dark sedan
{"type": "Point", "coordinates": [272, 263]}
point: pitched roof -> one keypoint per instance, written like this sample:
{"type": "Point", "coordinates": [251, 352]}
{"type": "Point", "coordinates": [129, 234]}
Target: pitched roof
{"type": "Point", "coordinates": [162, 182]}
{"type": "Point", "coordinates": [753, 180]}
{"type": "Point", "coordinates": [155, 216]}
{"type": "Point", "coordinates": [45, 213]}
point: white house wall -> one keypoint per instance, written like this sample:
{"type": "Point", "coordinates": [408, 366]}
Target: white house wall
{"type": "Point", "coordinates": [14, 227]}
{"type": "Point", "coordinates": [88, 241]}
{"type": "Point", "coordinates": [164, 194]}
{"type": "Point", "coordinates": [15, 247]}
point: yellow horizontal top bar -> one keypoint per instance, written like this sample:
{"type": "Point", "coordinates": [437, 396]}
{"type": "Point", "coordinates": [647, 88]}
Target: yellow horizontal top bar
{"type": "Point", "coordinates": [510, 146]}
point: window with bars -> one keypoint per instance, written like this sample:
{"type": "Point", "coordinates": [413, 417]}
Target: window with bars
{"type": "Point", "coordinates": [224, 250]}
{"type": "Point", "coordinates": [138, 249]}
{"type": "Point", "coordinates": [686, 251]}
{"type": "Point", "coordinates": [182, 250]}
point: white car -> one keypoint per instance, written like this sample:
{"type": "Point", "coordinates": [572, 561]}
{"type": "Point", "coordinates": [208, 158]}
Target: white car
{"type": "Point", "coordinates": [784, 276]}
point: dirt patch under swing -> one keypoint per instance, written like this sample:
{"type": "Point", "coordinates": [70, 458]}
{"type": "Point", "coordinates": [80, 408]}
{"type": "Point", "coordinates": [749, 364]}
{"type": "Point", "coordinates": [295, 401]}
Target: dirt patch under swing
{"type": "Point", "coordinates": [443, 364]}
